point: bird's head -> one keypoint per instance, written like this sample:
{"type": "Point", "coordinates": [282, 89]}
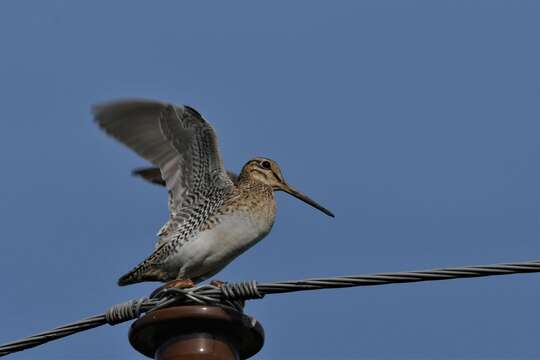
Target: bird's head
{"type": "Point", "coordinates": [268, 172]}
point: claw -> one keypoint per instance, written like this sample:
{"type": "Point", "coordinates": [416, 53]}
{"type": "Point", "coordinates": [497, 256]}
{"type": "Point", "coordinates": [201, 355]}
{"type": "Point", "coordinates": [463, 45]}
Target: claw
{"type": "Point", "coordinates": [175, 284]}
{"type": "Point", "coordinates": [217, 283]}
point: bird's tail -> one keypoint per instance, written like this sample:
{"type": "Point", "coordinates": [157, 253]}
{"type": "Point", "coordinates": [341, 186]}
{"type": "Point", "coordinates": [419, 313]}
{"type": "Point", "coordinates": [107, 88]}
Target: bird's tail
{"type": "Point", "coordinates": [145, 271]}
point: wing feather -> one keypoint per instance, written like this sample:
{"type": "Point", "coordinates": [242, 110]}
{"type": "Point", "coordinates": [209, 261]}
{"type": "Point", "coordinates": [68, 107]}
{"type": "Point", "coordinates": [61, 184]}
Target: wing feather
{"type": "Point", "coordinates": [153, 175]}
{"type": "Point", "coordinates": [177, 139]}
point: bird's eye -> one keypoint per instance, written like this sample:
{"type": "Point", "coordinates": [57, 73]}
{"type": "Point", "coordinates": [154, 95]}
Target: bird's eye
{"type": "Point", "coordinates": [266, 164]}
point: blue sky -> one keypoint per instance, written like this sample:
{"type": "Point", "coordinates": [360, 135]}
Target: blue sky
{"type": "Point", "coordinates": [416, 122]}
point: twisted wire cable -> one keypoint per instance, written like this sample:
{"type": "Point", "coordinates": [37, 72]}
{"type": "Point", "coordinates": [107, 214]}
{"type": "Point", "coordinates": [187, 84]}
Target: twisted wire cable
{"type": "Point", "coordinates": [114, 315]}
{"type": "Point", "coordinates": [234, 294]}
{"type": "Point", "coordinates": [400, 277]}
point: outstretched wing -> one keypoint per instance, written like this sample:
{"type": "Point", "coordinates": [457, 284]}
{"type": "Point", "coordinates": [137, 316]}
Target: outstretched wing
{"type": "Point", "coordinates": [153, 175]}
{"type": "Point", "coordinates": [177, 139]}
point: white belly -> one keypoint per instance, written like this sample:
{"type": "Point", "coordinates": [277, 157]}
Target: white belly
{"type": "Point", "coordinates": [211, 250]}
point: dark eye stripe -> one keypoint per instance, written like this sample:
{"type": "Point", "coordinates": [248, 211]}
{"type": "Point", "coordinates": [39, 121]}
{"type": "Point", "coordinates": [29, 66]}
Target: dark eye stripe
{"type": "Point", "coordinates": [276, 175]}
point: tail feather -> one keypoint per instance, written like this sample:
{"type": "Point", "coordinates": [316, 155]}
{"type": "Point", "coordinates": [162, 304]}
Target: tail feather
{"type": "Point", "coordinates": [142, 272]}
{"type": "Point", "coordinates": [127, 279]}
{"type": "Point", "coordinates": [152, 175]}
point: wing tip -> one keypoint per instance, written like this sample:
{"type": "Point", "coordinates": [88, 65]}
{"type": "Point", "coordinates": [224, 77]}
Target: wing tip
{"type": "Point", "coordinates": [107, 109]}
{"type": "Point", "coordinates": [193, 111]}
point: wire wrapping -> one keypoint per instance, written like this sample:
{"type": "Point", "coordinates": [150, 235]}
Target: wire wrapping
{"type": "Point", "coordinates": [127, 310]}
{"type": "Point", "coordinates": [242, 291]}
{"type": "Point", "coordinates": [234, 294]}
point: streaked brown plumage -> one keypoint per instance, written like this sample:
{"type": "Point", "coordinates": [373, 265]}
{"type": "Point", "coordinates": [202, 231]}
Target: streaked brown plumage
{"type": "Point", "coordinates": [214, 215]}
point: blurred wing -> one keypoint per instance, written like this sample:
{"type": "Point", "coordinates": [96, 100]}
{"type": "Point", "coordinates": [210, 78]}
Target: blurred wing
{"type": "Point", "coordinates": [175, 138]}
{"type": "Point", "coordinates": [153, 175]}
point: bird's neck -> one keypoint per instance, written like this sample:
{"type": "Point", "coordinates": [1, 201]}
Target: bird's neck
{"type": "Point", "coordinates": [248, 182]}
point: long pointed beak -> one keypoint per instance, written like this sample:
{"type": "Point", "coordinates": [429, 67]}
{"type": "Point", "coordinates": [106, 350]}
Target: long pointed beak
{"type": "Point", "coordinates": [297, 194]}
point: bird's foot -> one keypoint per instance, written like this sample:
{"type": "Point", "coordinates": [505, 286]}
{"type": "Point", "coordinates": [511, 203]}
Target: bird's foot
{"type": "Point", "coordinates": [217, 283]}
{"type": "Point", "coordinates": [174, 284]}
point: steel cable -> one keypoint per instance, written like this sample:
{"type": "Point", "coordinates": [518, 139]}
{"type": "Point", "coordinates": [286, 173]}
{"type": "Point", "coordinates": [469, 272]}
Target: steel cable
{"type": "Point", "coordinates": [233, 295]}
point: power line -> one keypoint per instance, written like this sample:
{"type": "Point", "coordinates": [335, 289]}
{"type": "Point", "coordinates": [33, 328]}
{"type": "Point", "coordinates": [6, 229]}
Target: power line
{"type": "Point", "coordinates": [233, 295]}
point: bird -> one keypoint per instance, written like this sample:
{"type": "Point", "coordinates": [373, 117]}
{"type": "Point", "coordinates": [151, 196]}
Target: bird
{"type": "Point", "coordinates": [214, 215]}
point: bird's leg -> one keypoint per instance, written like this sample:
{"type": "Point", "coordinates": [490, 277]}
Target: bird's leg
{"type": "Point", "coordinates": [174, 284]}
{"type": "Point", "coordinates": [179, 284]}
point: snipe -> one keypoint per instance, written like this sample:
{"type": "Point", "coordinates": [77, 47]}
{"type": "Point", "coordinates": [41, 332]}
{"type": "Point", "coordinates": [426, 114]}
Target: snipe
{"type": "Point", "coordinates": [214, 215]}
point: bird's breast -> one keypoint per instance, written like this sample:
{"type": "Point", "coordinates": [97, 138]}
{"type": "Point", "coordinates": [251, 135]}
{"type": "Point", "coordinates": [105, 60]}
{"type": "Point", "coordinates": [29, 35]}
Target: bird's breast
{"type": "Point", "coordinates": [233, 229]}
{"type": "Point", "coordinates": [237, 231]}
